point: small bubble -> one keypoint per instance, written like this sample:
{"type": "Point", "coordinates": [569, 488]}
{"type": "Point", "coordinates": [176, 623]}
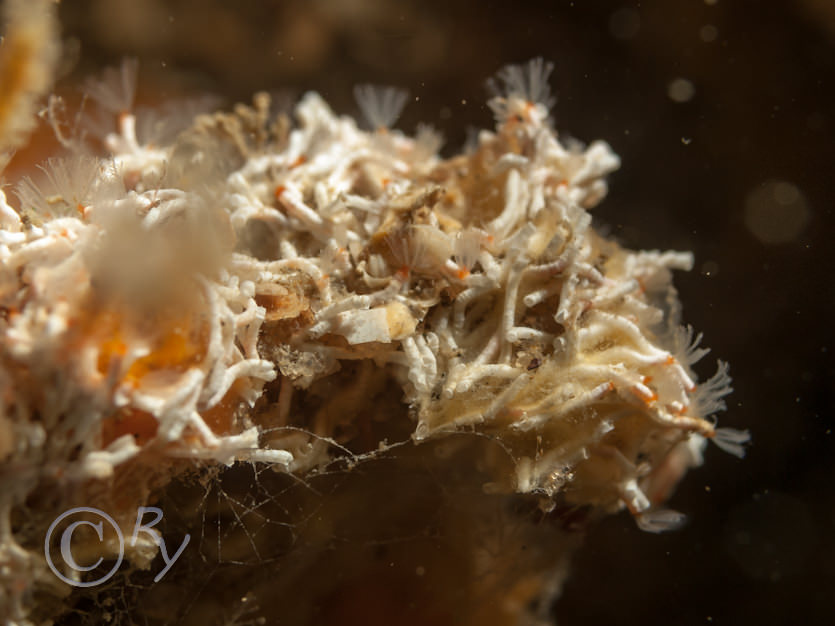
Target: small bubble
{"type": "Point", "coordinates": [772, 536]}
{"type": "Point", "coordinates": [786, 193]}
{"type": "Point", "coordinates": [816, 121]}
{"type": "Point", "coordinates": [708, 33]}
{"type": "Point", "coordinates": [624, 24]}
{"type": "Point", "coordinates": [681, 90]}
{"type": "Point", "coordinates": [776, 212]}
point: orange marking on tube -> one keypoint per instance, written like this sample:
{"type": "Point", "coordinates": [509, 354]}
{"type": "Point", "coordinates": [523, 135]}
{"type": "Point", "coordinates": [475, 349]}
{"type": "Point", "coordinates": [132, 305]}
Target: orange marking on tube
{"type": "Point", "coordinates": [645, 394]}
{"type": "Point", "coordinates": [402, 273]}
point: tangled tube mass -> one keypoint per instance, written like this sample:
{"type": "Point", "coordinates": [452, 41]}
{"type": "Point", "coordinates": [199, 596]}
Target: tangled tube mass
{"type": "Point", "coordinates": [179, 301]}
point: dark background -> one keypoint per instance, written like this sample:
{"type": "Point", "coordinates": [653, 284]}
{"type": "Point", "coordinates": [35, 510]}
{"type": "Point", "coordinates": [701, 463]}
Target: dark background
{"type": "Point", "coordinates": [740, 173]}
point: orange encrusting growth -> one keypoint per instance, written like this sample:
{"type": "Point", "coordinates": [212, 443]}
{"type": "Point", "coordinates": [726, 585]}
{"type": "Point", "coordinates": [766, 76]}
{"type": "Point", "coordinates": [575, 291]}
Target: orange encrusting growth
{"type": "Point", "coordinates": [177, 350]}
{"type": "Point", "coordinates": [128, 421]}
{"type": "Point", "coordinates": [112, 347]}
{"type": "Point", "coordinates": [221, 417]}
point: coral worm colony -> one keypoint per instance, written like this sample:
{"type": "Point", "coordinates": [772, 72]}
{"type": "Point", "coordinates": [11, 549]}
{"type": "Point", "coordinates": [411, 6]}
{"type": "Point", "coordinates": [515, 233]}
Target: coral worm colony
{"type": "Point", "coordinates": [243, 288]}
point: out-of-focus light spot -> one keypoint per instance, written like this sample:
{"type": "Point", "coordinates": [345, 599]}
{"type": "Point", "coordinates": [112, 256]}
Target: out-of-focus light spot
{"type": "Point", "coordinates": [708, 33]}
{"type": "Point", "coordinates": [710, 3]}
{"type": "Point", "coordinates": [681, 90]}
{"type": "Point", "coordinates": [624, 23]}
{"type": "Point", "coordinates": [816, 121]}
{"type": "Point", "coordinates": [776, 212]}
{"type": "Point", "coordinates": [771, 536]}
